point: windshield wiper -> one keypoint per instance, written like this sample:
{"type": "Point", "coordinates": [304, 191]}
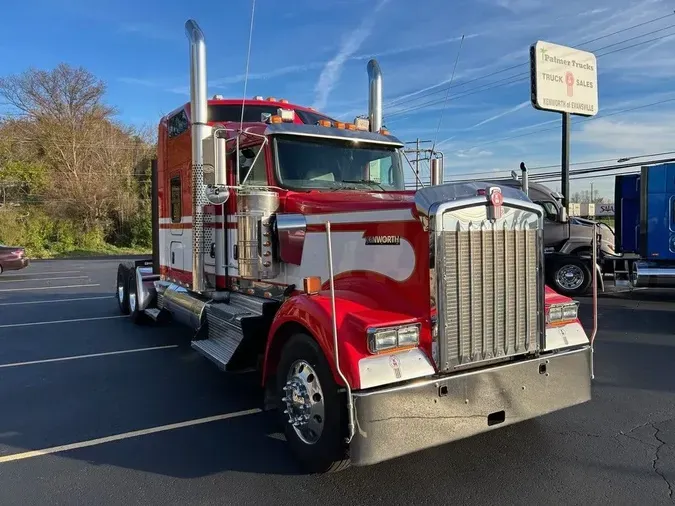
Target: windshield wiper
{"type": "Point", "coordinates": [363, 181]}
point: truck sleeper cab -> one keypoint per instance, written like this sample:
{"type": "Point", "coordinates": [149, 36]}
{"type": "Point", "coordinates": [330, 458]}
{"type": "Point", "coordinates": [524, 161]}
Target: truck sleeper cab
{"type": "Point", "coordinates": [382, 321]}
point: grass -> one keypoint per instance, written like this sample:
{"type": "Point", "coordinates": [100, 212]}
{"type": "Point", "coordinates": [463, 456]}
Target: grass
{"type": "Point", "coordinates": [104, 251]}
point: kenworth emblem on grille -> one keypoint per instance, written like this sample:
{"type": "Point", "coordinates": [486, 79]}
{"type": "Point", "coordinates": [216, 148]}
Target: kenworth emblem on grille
{"type": "Point", "coordinates": [495, 210]}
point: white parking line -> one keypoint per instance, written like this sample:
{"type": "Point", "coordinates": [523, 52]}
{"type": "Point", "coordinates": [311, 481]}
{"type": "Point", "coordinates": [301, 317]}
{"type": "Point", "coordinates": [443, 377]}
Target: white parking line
{"type": "Point", "coordinates": [55, 301]}
{"type": "Point", "coordinates": [39, 279]}
{"type": "Point", "coordinates": [91, 355]}
{"type": "Point", "coordinates": [75, 320]}
{"type": "Point", "coordinates": [126, 435]}
{"type": "Point", "coordinates": [38, 274]}
{"type": "Point", "coordinates": [47, 287]}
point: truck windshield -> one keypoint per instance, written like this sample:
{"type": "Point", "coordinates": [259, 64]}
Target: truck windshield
{"type": "Point", "coordinates": [336, 164]}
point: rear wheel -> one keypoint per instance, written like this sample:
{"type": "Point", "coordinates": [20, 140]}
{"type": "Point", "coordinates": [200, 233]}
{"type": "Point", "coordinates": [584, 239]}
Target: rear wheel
{"type": "Point", "coordinates": [135, 313]}
{"type": "Point", "coordinates": [122, 292]}
{"type": "Point", "coordinates": [312, 410]}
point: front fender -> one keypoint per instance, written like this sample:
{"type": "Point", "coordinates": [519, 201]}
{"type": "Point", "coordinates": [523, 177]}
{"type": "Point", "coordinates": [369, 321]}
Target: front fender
{"type": "Point", "coordinates": [313, 313]}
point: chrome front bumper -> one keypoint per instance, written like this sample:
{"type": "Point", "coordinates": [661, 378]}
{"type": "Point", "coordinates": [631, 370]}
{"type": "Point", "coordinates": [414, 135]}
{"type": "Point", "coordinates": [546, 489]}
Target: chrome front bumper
{"type": "Point", "coordinates": [391, 422]}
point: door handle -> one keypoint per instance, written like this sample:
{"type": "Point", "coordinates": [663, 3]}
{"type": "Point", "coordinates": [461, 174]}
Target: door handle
{"type": "Point", "coordinates": [173, 257]}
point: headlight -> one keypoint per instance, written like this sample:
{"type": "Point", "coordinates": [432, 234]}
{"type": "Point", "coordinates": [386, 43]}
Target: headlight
{"type": "Point", "coordinates": [562, 312]}
{"type": "Point", "coordinates": [380, 339]}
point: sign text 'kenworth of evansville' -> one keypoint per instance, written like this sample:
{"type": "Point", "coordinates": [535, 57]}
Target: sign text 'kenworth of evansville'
{"type": "Point", "coordinates": [563, 79]}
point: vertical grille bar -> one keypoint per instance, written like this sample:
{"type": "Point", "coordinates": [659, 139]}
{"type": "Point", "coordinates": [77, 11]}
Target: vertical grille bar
{"type": "Point", "coordinates": [488, 293]}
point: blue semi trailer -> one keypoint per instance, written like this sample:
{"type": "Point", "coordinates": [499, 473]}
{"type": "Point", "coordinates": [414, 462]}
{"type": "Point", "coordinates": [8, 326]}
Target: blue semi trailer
{"type": "Point", "coordinates": [645, 226]}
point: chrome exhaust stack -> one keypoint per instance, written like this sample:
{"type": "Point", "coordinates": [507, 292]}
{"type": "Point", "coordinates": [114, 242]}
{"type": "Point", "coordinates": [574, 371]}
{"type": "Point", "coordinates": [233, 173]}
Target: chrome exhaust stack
{"type": "Point", "coordinates": [374, 96]}
{"type": "Point", "coordinates": [436, 170]}
{"type": "Point", "coordinates": [200, 131]}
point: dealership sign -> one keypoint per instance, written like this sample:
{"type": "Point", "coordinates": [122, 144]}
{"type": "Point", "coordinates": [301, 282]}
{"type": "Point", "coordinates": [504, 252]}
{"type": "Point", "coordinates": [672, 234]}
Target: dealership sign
{"type": "Point", "coordinates": [563, 79]}
{"type": "Point", "coordinates": [604, 209]}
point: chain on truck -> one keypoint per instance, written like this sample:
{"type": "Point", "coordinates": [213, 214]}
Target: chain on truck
{"type": "Point", "coordinates": [381, 321]}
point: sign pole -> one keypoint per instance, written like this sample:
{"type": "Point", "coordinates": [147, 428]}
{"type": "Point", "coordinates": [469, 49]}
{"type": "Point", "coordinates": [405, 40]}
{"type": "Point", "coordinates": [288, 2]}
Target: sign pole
{"type": "Point", "coordinates": [565, 183]}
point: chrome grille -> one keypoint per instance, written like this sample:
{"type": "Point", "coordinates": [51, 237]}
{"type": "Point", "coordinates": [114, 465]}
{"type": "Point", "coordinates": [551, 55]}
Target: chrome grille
{"type": "Point", "coordinates": [488, 288]}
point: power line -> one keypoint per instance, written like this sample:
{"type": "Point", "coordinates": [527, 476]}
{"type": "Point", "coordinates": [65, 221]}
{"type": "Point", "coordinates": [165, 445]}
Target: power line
{"type": "Point", "coordinates": [477, 175]}
{"type": "Point", "coordinates": [407, 99]}
{"type": "Point", "coordinates": [523, 76]}
{"type": "Point", "coordinates": [580, 121]}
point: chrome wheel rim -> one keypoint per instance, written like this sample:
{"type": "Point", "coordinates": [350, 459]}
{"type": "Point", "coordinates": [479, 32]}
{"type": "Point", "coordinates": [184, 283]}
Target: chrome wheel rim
{"type": "Point", "coordinates": [132, 299]}
{"type": "Point", "coordinates": [120, 291]}
{"type": "Point", "coordinates": [304, 401]}
{"type": "Point", "coordinates": [570, 277]}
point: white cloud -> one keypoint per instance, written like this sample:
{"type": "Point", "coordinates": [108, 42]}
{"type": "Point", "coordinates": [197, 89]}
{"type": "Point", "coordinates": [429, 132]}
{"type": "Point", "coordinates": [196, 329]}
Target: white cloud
{"type": "Point", "coordinates": [502, 114]}
{"type": "Point", "coordinates": [472, 152]}
{"type": "Point", "coordinates": [642, 134]}
{"type": "Point", "coordinates": [350, 44]}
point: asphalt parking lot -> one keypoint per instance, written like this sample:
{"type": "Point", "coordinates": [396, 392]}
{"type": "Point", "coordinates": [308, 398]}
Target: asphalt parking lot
{"type": "Point", "coordinates": [95, 410]}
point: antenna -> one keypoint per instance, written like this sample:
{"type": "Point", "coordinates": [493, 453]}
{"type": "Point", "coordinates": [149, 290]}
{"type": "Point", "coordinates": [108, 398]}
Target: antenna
{"type": "Point", "coordinates": [440, 120]}
{"type": "Point", "coordinates": [248, 59]}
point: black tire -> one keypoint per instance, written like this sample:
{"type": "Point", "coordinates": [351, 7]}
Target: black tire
{"type": "Point", "coordinates": [135, 314]}
{"type": "Point", "coordinates": [570, 276]}
{"type": "Point", "coordinates": [121, 288]}
{"type": "Point", "coordinates": [330, 452]}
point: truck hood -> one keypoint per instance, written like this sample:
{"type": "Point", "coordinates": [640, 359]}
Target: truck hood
{"type": "Point", "coordinates": [553, 297]}
{"type": "Point", "coordinates": [319, 202]}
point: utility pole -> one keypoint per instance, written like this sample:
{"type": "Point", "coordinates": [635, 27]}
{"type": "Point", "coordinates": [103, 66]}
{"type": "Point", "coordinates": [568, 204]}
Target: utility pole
{"type": "Point", "coordinates": [417, 158]}
{"type": "Point", "coordinates": [565, 183]}
{"type": "Point", "coordinates": [418, 150]}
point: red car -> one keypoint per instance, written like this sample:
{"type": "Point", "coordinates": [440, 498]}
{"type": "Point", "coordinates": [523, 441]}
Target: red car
{"type": "Point", "coordinates": [12, 258]}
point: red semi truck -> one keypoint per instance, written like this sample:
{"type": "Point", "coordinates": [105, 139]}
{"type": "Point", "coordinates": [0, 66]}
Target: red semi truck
{"type": "Point", "coordinates": [382, 321]}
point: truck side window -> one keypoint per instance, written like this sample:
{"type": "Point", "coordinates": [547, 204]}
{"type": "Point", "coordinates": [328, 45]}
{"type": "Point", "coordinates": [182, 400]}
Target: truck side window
{"type": "Point", "coordinates": [550, 210]}
{"type": "Point", "coordinates": [258, 175]}
{"type": "Point", "coordinates": [176, 212]}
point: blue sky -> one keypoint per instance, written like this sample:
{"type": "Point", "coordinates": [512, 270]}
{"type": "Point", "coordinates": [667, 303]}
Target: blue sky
{"type": "Point", "coordinates": [315, 53]}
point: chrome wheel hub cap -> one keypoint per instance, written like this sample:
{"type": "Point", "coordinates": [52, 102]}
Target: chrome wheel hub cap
{"type": "Point", "coordinates": [303, 399]}
{"type": "Point", "coordinates": [132, 300]}
{"type": "Point", "coordinates": [570, 277]}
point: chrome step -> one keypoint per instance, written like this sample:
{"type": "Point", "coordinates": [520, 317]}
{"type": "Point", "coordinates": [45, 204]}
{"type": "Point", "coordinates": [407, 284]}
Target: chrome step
{"type": "Point", "coordinates": [251, 304]}
{"type": "Point", "coordinates": [224, 328]}
{"type": "Point", "coordinates": [152, 313]}
{"type": "Point", "coordinates": [219, 350]}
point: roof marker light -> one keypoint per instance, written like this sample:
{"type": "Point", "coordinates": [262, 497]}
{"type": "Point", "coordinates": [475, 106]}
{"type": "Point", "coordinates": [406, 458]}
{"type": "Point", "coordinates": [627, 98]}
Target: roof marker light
{"type": "Point", "coordinates": [286, 114]}
{"type": "Point", "coordinates": [362, 124]}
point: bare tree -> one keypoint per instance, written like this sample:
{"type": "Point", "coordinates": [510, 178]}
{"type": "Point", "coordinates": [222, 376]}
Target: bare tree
{"type": "Point", "coordinates": [91, 159]}
{"type": "Point", "coordinates": [64, 94]}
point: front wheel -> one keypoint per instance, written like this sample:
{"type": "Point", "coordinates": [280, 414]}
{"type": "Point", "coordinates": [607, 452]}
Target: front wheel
{"type": "Point", "coordinates": [571, 277]}
{"type": "Point", "coordinates": [312, 411]}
